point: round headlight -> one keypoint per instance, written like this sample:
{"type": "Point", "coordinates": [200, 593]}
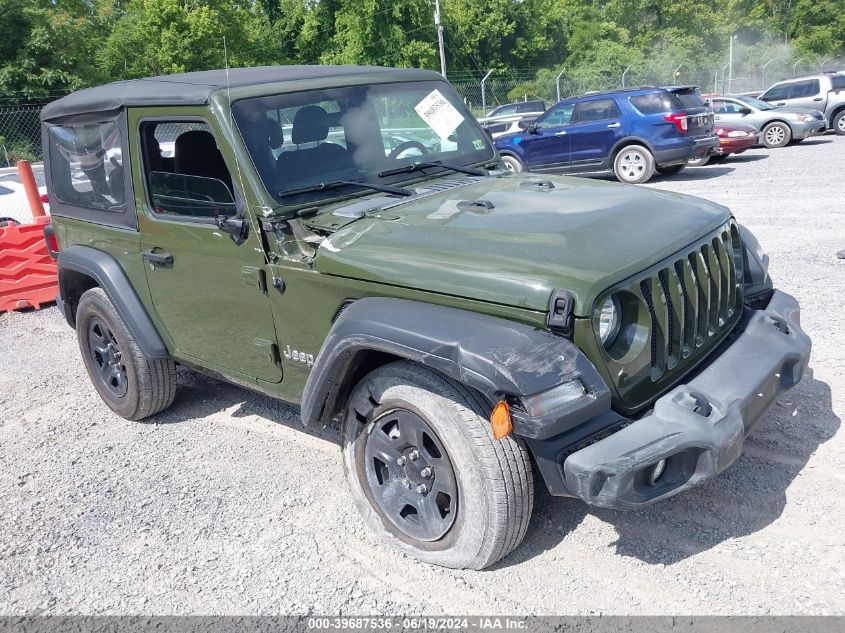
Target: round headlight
{"type": "Point", "coordinates": [609, 321]}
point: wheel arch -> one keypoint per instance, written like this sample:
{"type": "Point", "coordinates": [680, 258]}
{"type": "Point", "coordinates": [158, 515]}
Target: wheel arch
{"type": "Point", "coordinates": [777, 120]}
{"type": "Point", "coordinates": [835, 112]}
{"type": "Point", "coordinates": [627, 141]}
{"type": "Point", "coordinates": [495, 357]}
{"type": "Point", "coordinates": [82, 268]}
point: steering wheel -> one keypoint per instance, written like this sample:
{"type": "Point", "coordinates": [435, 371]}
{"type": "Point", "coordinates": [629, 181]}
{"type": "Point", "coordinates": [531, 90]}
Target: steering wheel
{"type": "Point", "coordinates": [402, 147]}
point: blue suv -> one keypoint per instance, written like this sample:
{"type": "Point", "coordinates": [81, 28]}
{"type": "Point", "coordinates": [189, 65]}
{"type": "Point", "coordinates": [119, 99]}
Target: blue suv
{"type": "Point", "coordinates": [630, 132]}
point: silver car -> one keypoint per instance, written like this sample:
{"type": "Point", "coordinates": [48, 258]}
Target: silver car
{"type": "Point", "coordinates": [825, 92]}
{"type": "Point", "coordinates": [778, 125]}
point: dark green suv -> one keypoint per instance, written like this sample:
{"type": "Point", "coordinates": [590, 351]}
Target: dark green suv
{"type": "Point", "coordinates": [347, 238]}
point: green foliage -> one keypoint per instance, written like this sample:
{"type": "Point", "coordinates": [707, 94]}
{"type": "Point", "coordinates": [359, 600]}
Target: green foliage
{"type": "Point", "coordinates": [48, 47]}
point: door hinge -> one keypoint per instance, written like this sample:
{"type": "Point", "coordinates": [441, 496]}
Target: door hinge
{"type": "Point", "coordinates": [255, 276]}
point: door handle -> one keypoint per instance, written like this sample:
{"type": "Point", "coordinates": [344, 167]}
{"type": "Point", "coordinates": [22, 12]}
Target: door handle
{"type": "Point", "coordinates": [781, 103]}
{"type": "Point", "coordinates": [561, 133]}
{"type": "Point", "coordinates": [818, 99]}
{"type": "Point", "coordinates": [617, 124]}
{"type": "Point", "coordinates": [157, 258]}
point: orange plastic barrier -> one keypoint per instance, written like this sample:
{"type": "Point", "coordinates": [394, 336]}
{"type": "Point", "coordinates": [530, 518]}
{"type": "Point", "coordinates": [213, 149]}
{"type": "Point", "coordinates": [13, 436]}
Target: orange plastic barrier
{"type": "Point", "coordinates": [27, 273]}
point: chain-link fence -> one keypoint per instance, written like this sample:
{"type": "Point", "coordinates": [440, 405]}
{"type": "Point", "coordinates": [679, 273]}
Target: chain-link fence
{"type": "Point", "coordinates": [20, 134]}
{"type": "Point", "coordinates": [483, 94]}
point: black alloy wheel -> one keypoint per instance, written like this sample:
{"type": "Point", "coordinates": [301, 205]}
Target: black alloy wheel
{"type": "Point", "coordinates": [107, 357]}
{"type": "Point", "coordinates": [410, 475]}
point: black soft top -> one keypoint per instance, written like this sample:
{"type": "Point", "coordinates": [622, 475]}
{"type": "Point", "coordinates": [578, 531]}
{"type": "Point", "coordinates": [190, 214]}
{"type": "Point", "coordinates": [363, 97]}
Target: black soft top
{"type": "Point", "coordinates": [195, 88]}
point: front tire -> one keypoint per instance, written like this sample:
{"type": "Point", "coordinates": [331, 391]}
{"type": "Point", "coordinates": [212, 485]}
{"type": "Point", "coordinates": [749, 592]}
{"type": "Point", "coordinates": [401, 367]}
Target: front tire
{"type": "Point", "coordinates": [132, 385]}
{"type": "Point", "coordinates": [426, 473]}
{"type": "Point", "coordinates": [838, 123]}
{"type": "Point", "coordinates": [776, 135]}
{"type": "Point", "coordinates": [701, 161]}
{"type": "Point", "coordinates": [633, 165]}
{"type": "Point", "coordinates": [512, 163]}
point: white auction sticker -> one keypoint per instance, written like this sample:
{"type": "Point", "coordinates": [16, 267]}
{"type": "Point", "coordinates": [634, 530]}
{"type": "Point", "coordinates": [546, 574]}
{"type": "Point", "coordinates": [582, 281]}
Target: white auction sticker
{"type": "Point", "coordinates": [440, 115]}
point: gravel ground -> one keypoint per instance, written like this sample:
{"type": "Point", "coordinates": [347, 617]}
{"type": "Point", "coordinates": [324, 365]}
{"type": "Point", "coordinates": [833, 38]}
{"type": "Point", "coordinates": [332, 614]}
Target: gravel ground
{"type": "Point", "coordinates": [224, 505]}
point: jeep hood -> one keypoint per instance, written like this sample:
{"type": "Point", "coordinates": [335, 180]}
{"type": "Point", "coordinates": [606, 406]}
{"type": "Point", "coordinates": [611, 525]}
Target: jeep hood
{"type": "Point", "coordinates": [583, 235]}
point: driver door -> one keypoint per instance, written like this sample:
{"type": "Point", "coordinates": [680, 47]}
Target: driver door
{"type": "Point", "coordinates": [208, 288]}
{"type": "Point", "coordinates": [548, 147]}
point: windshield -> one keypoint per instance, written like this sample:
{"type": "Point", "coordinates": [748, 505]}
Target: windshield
{"type": "Point", "coordinates": [304, 139]}
{"type": "Point", "coordinates": [760, 105]}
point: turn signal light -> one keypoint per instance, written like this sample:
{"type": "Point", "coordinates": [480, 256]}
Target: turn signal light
{"type": "Point", "coordinates": [500, 420]}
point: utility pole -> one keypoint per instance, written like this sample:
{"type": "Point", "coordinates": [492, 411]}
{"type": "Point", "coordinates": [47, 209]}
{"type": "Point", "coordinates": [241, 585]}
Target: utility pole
{"type": "Point", "coordinates": [439, 26]}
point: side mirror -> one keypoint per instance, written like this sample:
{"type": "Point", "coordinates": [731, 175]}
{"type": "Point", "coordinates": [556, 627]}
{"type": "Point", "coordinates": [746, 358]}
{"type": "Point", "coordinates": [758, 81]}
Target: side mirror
{"type": "Point", "coordinates": [744, 111]}
{"type": "Point", "coordinates": [236, 227]}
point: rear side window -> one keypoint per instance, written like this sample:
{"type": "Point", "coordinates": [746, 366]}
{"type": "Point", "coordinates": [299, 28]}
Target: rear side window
{"type": "Point", "coordinates": [655, 103]}
{"type": "Point", "coordinates": [808, 88]}
{"type": "Point", "coordinates": [600, 110]}
{"type": "Point", "coordinates": [86, 165]}
{"type": "Point", "coordinates": [777, 92]}
{"type": "Point", "coordinates": [504, 110]}
{"type": "Point", "coordinates": [530, 106]}
{"type": "Point", "coordinates": [837, 82]}
{"type": "Point", "coordinates": [690, 98]}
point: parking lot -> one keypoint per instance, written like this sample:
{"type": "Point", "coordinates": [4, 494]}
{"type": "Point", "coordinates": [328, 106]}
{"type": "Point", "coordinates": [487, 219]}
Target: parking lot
{"type": "Point", "coordinates": [223, 504]}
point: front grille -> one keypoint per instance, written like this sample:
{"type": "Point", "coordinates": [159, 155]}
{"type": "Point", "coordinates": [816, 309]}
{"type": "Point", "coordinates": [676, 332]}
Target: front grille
{"type": "Point", "coordinates": [691, 300]}
{"type": "Point", "coordinates": [682, 307]}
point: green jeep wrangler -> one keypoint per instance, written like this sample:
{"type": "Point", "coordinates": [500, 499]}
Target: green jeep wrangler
{"type": "Point", "coordinates": [346, 238]}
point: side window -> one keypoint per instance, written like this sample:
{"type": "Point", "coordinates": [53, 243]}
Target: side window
{"type": "Point", "coordinates": [184, 170]}
{"type": "Point", "coordinates": [600, 110]}
{"type": "Point", "coordinates": [808, 88]}
{"type": "Point", "coordinates": [86, 165]}
{"type": "Point", "coordinates": [562, 115]}
{"type": "Point", "coordinates": [777, 92]}
{"type": "Point", "coordinates": [529, 107]}
{"type": "Point", "coordinates": [504, 110]}
{"type": "Point", "coordinates": [721, 106]}
{"type": "Point", "coordinates": [653, 103]}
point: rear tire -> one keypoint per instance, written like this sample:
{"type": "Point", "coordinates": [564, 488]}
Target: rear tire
{"type": "Point", "coordinates": [474, 504]}
{"type": "Point", "coordinates": [132, 385]}
{"type": "Point", "coordinates": [671, 170]}
{"type": "Point", "coordinates": [633, 165]}
{"type": "Point", "coordinates": [512, 163]}
{"type": "Point", "coordinates": [777, 135]}
{"type": "Point", "coordinates": [838, 123]}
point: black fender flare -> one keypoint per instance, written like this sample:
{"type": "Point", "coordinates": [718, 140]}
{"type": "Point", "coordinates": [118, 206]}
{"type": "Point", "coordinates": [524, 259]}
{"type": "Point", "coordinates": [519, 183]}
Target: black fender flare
{"type": "Point", "coordinates": [497, 357]}
{"type": "Point", "coordinates": [110, 276]}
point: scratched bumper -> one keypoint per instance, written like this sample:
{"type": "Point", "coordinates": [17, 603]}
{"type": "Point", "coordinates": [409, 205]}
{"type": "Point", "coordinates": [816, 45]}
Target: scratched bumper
{"type": "Point", "coordinates": [698, 427]}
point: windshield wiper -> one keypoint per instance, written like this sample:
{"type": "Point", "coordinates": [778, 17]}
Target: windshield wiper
{"type": "Point", "coordinates": [407, 169]}
{"type": "Point", "coordinates": [325, 186]}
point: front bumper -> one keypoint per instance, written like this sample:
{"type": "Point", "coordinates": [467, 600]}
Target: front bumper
{"type": "Point", "coordinates": [806, 129]}
{"type": "Point", "coordinates": [698, 427]}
